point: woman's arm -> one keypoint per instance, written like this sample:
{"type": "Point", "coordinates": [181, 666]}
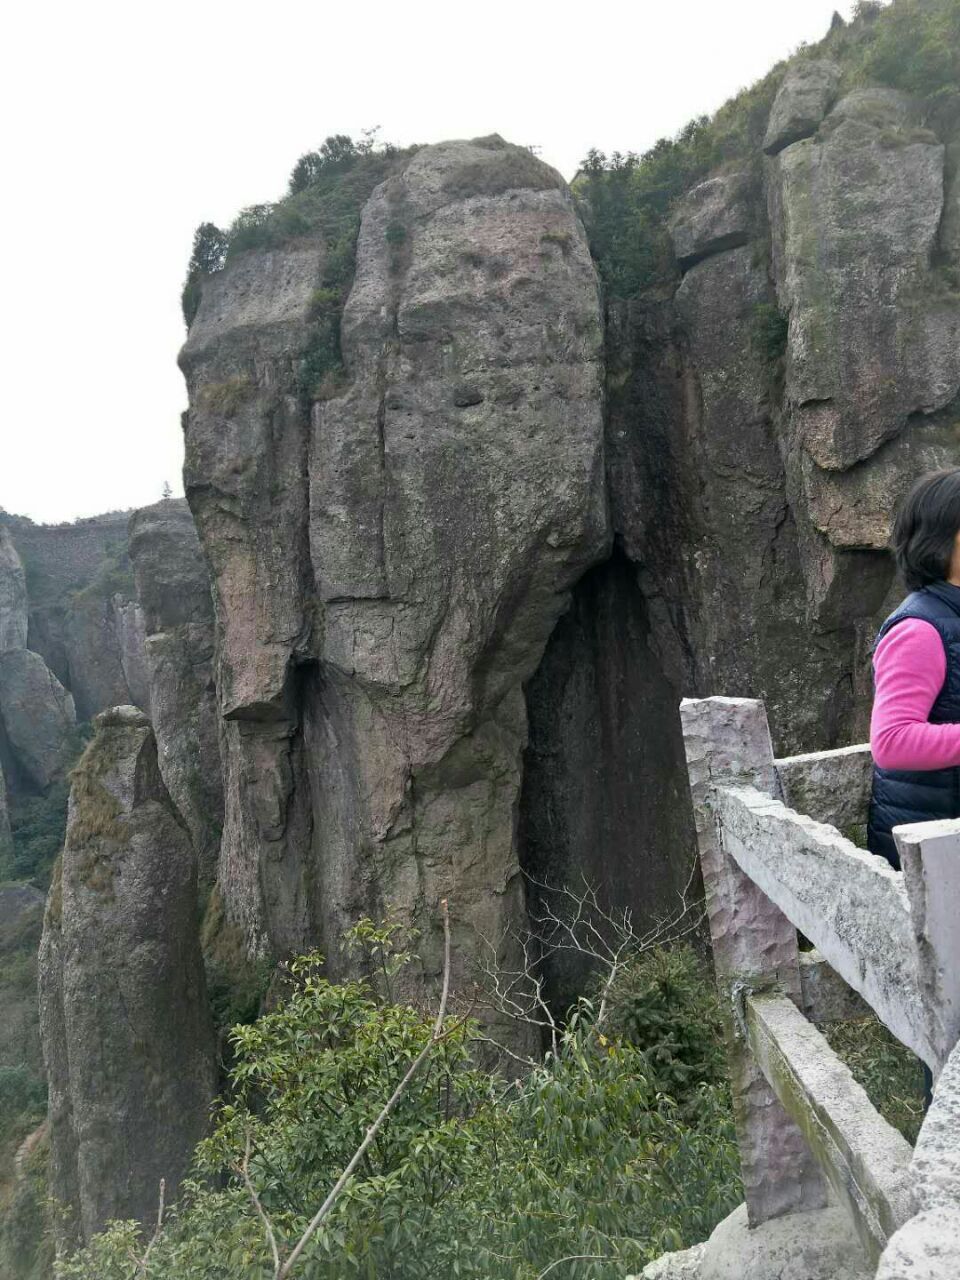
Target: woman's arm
{"type": "Point", "coordinates": [909, 667]}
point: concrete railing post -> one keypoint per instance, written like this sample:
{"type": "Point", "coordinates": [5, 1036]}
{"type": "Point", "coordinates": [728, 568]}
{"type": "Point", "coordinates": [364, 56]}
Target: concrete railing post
{"type": "Point", "coordinates": [930, 857]}
{"type": "Point", "coordinates": [727, 743]}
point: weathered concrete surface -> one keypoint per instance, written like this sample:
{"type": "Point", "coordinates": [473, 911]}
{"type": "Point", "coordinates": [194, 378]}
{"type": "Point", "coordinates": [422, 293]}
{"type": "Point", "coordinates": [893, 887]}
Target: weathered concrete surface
{"type": "Point", "coordinates": [716, 215]}
{"type": "Point", "coordinates": [175, 612]}
{"type": "Point", "coordinates": [928, 1246]}
{"type": "Point", "coordinates": [802, 101]}
{"type": "Point", "coordinates": [727, 740]}
{"type": "Point", "coordinates": [13, 596]}
{"type": "Point", "coordinates": [865, 1160]}
{"type": "Point", "coordinates": [825, 997]}
{"type": "Point", "coordinates": [850, 904]}
{"type": "Point", "coordinates": [38, 716]}
{"type": "Point", "coordinates": [930, 858]}
{"type": "Point", "coordinates": [829, 786]}
{"type": "Point", "coordinates": [800, 1246]}
{"type": "Point", "coordinates": [126, 1030]}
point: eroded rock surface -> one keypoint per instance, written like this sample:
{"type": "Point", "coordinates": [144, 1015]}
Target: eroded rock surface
{"type": "Point", "coordinates": [126, 1030]}
{"type": "Point", "coordinates": [38, 716]}
{"type": "Point", "coordinates": [802, 101]}
{"type": "Point", "coordinates": [387, 572]}
{"type": "Point", "coordinates": [13, 596]}
{"type": "Point", "coordinates": [175, 614]}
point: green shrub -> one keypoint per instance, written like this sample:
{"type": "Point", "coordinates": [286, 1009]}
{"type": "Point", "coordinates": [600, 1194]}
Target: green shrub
{"type": "Point", "coordinates": [891, 1075]}
{"type": "Point", "coordinates": [625, 200]}
{"type": "Point", "coordinates": [665, 1003]}
{"type": "Point", "coordinates": [769, 331]}
{"type": "Point", "coordinates": [472, 1176]}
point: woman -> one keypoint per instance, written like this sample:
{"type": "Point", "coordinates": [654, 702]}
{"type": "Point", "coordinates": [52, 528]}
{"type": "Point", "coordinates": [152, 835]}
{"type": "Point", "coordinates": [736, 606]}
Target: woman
{"type": "Point", "coordinates": [915, 727]}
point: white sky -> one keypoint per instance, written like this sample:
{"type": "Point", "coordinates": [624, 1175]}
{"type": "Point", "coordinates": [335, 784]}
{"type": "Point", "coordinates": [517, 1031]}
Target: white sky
{"type": "Point", "coordinates": [127, 124]}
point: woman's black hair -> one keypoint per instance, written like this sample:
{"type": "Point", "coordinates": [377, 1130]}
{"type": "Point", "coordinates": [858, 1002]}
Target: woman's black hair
{"type": "Point", "coordinates": [926, 528]}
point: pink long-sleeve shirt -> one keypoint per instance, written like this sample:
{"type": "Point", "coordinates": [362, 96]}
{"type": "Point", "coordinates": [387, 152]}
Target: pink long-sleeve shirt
{"type": "Point", "coordinates": [909, 667]}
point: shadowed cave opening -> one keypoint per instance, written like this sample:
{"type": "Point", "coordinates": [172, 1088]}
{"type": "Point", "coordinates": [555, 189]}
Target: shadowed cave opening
{"type": "Point", "coordinates": [604, 797]}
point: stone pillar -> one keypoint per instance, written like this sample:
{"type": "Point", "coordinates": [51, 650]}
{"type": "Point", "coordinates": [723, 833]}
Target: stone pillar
{"type": "Point", "coordinates": [930, 857]}
{"type": "Point", "coordinates": [727, 743]}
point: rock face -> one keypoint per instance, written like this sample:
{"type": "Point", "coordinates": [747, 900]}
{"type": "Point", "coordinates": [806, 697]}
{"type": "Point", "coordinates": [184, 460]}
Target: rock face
{"type": "Point", "coordinates": [83, 618]}
{"type": "Point", "coordinates": [874, 331]}
{"type": "Point", "coordinates": [13, 596]}
{"type": "Point", "coordinates": [387, 572]}
{"type": "Point", "coordinates": [126, 1030]}
{"type": "Point", "coordinates": [175, 614]}
{"type": "Point", "coordinates": [6, 841]}
{"type": "Point", "coordinates": [38, 716]}
{"type": "Point", "coordinates": [764, 422]}
{"type": "Point", "coordinates": [801, 103]}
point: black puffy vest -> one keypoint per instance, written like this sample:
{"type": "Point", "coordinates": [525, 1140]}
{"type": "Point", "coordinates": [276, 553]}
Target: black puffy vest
{"type": "Point", "coordinates": [921, 795]}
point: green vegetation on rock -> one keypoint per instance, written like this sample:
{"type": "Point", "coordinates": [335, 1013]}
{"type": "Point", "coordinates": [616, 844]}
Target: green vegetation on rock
{"type": "Point", "coordinates": [626, 199]}
{"type": "Point", "coordinates": [474, 1175]}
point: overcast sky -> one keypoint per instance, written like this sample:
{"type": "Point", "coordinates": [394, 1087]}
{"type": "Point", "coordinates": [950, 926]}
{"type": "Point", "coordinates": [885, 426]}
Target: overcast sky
{"type": "Point", "coordinates": [127, 124]}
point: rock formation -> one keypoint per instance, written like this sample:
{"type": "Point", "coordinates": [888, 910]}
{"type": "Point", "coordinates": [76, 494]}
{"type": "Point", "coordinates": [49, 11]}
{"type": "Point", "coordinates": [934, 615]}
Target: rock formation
{"type": "Point", "coordinates": [126, 1029]}
{"type": "Point", "coordinates": [175, 610]}
{"type": "Point", "coordinates": [432, 623]}
{"type": "Point", "coordinates": [38, 717]}
{"type": "Point", "coordinates": [13, 596]}
{"type": "Point", "coordinates": [388, 569]}
{"type": "Point", "coordinates": [84, 620]}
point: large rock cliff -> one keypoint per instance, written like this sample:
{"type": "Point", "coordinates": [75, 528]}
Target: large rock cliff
{"type": "Point", "coordinates": [428, 628]}
{"type": "Point", "coordinates": [389, 563]}
{"type": "Point", "coordinates": [126, 1028]}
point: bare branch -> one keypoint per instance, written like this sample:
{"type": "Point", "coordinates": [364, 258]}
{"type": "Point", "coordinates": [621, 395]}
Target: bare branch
{"type": "Point", "coordinates": [437, 1034]}
{"type": "Point", "coordinates": [573, 921]}
{"type": "Point", "coordinates": [261, 1212]}
{"type": "Point", "coordinates": [575, 1257]}
{"type": "Point", "coordinates": [141, 1263]}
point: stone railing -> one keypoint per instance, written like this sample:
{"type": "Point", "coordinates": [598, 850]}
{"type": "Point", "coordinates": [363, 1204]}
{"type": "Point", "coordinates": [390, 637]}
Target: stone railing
{"type": "Point", "coordinates": [774, 862]}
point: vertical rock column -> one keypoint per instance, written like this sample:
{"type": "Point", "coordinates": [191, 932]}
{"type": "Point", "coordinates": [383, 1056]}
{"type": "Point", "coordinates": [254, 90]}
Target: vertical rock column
{"type": "Point", "coordinates": [456, 494]}
{"type": "Point", "coordinates": [126, 1031]}
{"type": "Point", "coordinates": [176, 612]}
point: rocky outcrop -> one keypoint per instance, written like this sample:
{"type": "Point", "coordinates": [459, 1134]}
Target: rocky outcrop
{"type": "Point", "coordinates": [13, 596]}
{"type": "Point", "coordinates": [719, 214]}
{"type": "Point", "coordinates": [175, 614]}
{"type": "Point", "coordinates": [387, 571]}
{"type": "Point", "coordinates": [99, 630]}
{"type": "Point", "coordinates": [6, 840]}
{"type": "Point", "coordinates": [874, 333]}
{"type": "Point", "coordinates": [38, 717]}
{"type": "Point", "coordinates": [83, 618]}
{"type": "Point", "coordinates": [807, 91]}
{"type": "Point", "coordinates": [126, 1030]}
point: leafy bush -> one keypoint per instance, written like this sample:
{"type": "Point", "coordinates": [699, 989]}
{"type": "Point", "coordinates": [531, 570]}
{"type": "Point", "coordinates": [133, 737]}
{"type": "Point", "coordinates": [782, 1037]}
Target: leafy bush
{"type": "Point", "coordinates": [891, 1075]}
{"type": "Point", "coordinates": [666, 1005]}
{"type": "Point", "coordinates": [472, 1176]}
{"type": "Point", "coordinates": [769, 331]}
